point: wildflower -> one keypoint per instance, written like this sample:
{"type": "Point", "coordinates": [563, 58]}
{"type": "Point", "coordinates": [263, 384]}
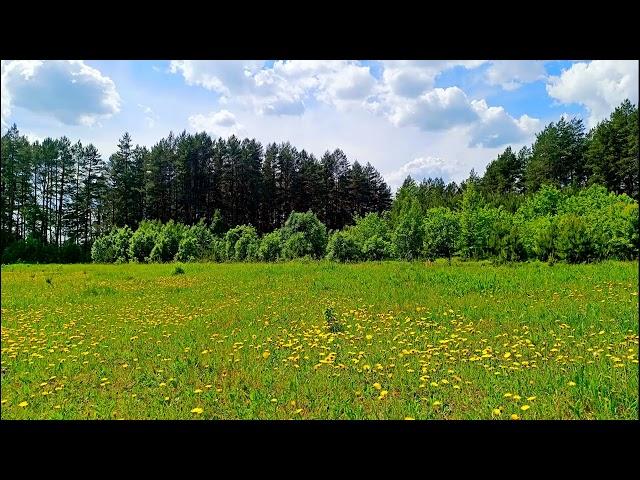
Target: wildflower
{"type": "Point", "coordinates": [409, 418]}
{"type": "Point", "coordinates": [524, 407]}
{"type": "Point", "coordinates": [437, 403]}
{"type": "Point", "coordinates": [23, 404]}
{"type": "Point", "coordinates": [377, 386]}
{"type": "Point", "coordinates": [507, 355]}
{"type": "Point", "coordinates": [496, 412]}
{"type": "Point", "coordinates": [531, 398]}
{"type": "Point", "coordinates": [266, 354]}
{"type": "Point", "coordinates": [572, 384]}
{"type": "Point", "coordinates": [515, 416]}
{"type": "Point", "coordinates": [197, 390]}
{"type": "Point", "coordinates": [197, 410]}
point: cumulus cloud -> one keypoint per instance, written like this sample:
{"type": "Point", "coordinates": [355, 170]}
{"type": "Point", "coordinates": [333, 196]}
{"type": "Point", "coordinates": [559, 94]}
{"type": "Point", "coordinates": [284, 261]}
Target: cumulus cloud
{"type": "Point", "coordinates": [438, 109]}
{"type": "Point", "coordinates": [222, 123]}
{"type": "Point", "coordinates": [70, 91]}
{"type": "Point", "coordinates": [410, 78]}
{"type": "Point", "coordinates": [420, 168]}
{"type": "Point", "coordinates": [228, 77]}
{"type": "Point", "coordinates": [512, 74]}
{"type": "Point", "coordinates": [496, 127]}
{"type": "Point", "coordinates": [282, 88]}
{"type": "Point", "coordinates": [600, 85]}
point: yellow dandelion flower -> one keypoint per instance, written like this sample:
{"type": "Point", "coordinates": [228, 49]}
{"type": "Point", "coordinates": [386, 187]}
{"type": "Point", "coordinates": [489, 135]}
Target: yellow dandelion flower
{"type": "Point", "coordinates": [197, 410]}
{"type": "Point", "coordinates": [515, 416]}
{"type": "Point", "coordinates": [23, 404]}
{"type": "Point", "coordinates": [377, 386]}
{"type": "Point", "coordinates": [525, 407]}
{"type": "Point", "coordinates": [409, 418]}
{"type": "Point", "coordinates": [266, 354]}
{"type": "Point", "coordinates": [197, 390]}
{"type": "Point", "coordinates": [496, 412]}
{"type": "Point", "coordinates": [507, 355]}
{"type": "Point", "coordinates": [531, 398]}
{"type": "Point", "coordinates": [437, 403]}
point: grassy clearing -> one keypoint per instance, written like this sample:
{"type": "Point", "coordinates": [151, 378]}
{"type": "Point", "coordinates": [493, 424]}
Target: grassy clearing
{"type": "Point", "coordinates": [320, 340]}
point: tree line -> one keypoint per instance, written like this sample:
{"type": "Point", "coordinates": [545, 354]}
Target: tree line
{"type": "Point", "coordinates": [62, 196]}
{"type": "Point", "coordinates": [57, 198]}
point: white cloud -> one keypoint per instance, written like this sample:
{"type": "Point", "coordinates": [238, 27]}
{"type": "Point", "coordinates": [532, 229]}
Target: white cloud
{"type": "Point", "coordinates": [496, 127]}
{"type": "Point", "coordinates": [438, 109]}
{"type": "Point", "coordinates": [600, 85]}
{"type": "Point", "coordinates": [150, 117]}
{"type": "Point", "coordinates": [222, 123]}
{"type": "Point", "coordinates": [410, 78]}
{"type": "Point", "coordinates": [70, 91]}
{"type": "Point", "coordinates": [225, 77]}
{"type": "Point", "coordinates": [420, 168]}
{"type": "Point", "coordinates": [283, 88]}
{"type": "Point", "coordinates": [512, 74]}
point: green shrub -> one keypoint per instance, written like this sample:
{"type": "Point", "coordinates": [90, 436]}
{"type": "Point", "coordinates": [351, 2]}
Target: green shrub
{"type": "Point", "coordinates": [408, 234]}
{"type": "Point", "coordinates": [241, 243]}
{"type": "Point", "coordinates": [270, 248]}
{"type": "Point", "coordinates": [573, 242]}
{"type": "Point", "coordinates": [343, 248]}
{"type": "Point", "coordinates": [441, 231]}
{"type": "Point", "coordinates": [296, 246]}
{"type": "Point", "coordinates": [167, 242]}
{"type": "Point", "coordinates": [304, 235]}
{"type": "Point", "coordinates": [143, 240]}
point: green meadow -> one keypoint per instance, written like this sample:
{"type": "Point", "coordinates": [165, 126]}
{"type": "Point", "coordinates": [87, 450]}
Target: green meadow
{"type": "Point", "coordinates": [320, 340]}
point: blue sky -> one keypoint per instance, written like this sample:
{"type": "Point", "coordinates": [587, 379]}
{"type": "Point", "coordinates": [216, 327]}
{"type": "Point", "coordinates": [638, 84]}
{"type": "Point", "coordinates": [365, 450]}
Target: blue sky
{"type": "Point", "coordinates": [423, 118]}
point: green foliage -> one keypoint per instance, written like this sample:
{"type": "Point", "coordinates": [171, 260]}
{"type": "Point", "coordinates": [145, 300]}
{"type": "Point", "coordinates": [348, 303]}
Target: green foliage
{"type": "Point", "coordinates": [373, 237]}
{"type": "Point", "coordinates": [333, 324]}
{"type": "Point", "coordinates": [178, 270]}
{"type": "Point", "coordinates": [573, 242]}
{"type": "Point", "coordinates": [121, 238]}
{"type": "Point", "coordinates": [304, 235]}
{"type": "Point", "coordinates": [168, 242]}
{"type": "Point", "coordinates": [296, 245]}
{"type": "Point", "coordinates": [441, 233]}
{"type": "Point", "coordinates": [102, 250]}
{"type": "Point", "coordinates": [270, 248]}
{"type": "Point", "coordinates": [241, 243]}
{"type": "Point", "coordinates": [342, 247]}
{"type": "Point", "coordinates": [408, 234]}
{"type": "Point", "coordinates": [143, 240]}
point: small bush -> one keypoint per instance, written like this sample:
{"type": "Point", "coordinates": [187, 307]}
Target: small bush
{"type": "Point", "coordinates": [343, 248]}
{"type": "Point", "coordinates": [270, 248]}
{"type": "Point", "coordinates": [178, 270]}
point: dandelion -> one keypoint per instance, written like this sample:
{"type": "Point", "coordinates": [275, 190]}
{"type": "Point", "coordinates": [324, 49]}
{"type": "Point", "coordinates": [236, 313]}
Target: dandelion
{"type": "Point", "coordinates": [496, 412]}
{"type": "Point", "coordinates": [409, 418]}
{"type": "Point", "coordinates": [529, 399]}
{"type": "Point", "coordinates": [197, 390]}
{"type": "Point", "coordinates": [197, 410]}
{"type": "Point", "coordinates": [572, 384]}
{"type": "Point", "coordinates": [515, 416]}
{"type": "Point", "coordinates": [437, 403]}
{"type": "Point", "coordinates": [507, 355]}
{"type": "Point", "coordinates": [524, 407]}
{"type": "Point", "coordinates": [23, 404]}
{"type": "Point", "coordinates": [377, 386]}
{"type": "Point", "coordinates": [266, 354]}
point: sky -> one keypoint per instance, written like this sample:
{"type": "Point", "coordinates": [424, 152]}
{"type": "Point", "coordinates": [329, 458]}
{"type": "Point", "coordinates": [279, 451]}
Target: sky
{"type": "Point", "coordinates": [423, 118]}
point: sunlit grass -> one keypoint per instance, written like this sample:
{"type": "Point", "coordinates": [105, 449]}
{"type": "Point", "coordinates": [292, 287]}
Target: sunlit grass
{"type": "Point", "coordinates": [319, 340]}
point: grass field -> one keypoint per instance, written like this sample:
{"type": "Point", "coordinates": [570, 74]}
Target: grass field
{"type": "Point", "coordinates": [251, 341]}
